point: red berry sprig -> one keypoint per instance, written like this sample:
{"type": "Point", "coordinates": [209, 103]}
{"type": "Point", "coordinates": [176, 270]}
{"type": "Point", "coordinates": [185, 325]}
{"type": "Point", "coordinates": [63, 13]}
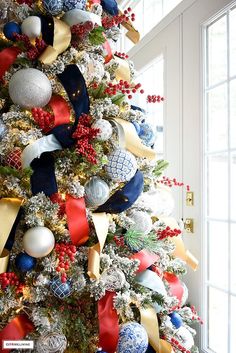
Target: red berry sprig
{"type": "Point", "coordinates": [154, 98]}
{"type": "Point", "coordinates": [123, 87]}
{"type": "Point", "coordinates": [122, 55]}
{"type": "Point", "coordinates": [66, 255]}
{"type": "Point", "coordinates": [170, 182]}
{"type": "Point", "coordinates": [195, 315]}
{"type": "Point", "coordinates": [119, 241]}
{"type": "Point", "coordinates": [9, 279]}
{"type": "Point", "coordinates": [168, 233]}
{"type": "Point", "coordinates": [176, 344]}
{"type": "Point", "coordinates": [109, 22]}
{"type": "Point", "coordinates": [44, 119]}
{"type": "Point", "coordinates": [33, 51]}
{"type": "Point", "coordinates": [82, 30]}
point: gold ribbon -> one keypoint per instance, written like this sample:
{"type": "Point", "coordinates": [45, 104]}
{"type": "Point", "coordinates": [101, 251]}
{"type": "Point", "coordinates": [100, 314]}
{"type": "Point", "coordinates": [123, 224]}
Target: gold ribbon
{"type": "Point", "coordinates": [150, 322]}
{"type": "Point", "coordinates": [130, 140]}
{"type": "Point", "coordinates": [61, 41]}
{"type": "Point", "coordinates": [131, 33]}
{"type": "Point", "coordinates": [9, 208]}
{"type": "Point", "coordinates": [180, 250]}
{"type": "Point", "coordinates": [123, 70]}
{"type": "Point", "coordinates": [101, 223]}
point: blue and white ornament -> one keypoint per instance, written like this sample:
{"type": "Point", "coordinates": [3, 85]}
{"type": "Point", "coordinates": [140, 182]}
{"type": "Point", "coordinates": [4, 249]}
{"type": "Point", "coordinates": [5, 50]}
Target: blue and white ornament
{"type": "Point", "coordinates": [96, 192]}
{"type": "Point", "coordinates": [59, 289]}
{"type": "Point", "coordinates": [132, 338]}
{"type": "Point", "coordinates": [122, 165]}
{"type": "Point", "coordinates": [105, 129]}
{"type": "Point", "coordinates": [176, 319]}
{"type": "Point", "coordinates": [147, 134]}
{"type": "Point", "coordinates": [74, 4]}
{"type": "Point", "coordinates": [54, 7]}
{"type": "Point", "coordinates": [25, 262]}
{"type": "Point", "coordinates": [10, 28]}
{"type": "Point", "coordinates": [3, 130]}
{"type": "Point", "coordinates": [137, 126]}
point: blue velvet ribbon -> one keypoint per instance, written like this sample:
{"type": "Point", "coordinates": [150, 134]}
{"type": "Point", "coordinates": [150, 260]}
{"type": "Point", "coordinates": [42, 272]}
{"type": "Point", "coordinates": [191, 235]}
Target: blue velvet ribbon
{"type": "Point", "coordinates": [124, 198]}
{"type": "Point", "coordinates": [110, 6]}
{"type": "Point", "coordinates": [47, 29]}
{"type": "Point", "coordinates": [150, 349]}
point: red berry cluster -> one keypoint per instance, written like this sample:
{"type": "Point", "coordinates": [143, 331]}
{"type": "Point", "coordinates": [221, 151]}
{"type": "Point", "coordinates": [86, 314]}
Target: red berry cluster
{"type": "Point", "coordinates": [9, 279]}
{"type": "Point", "coordinates": [119, 241]}
{"type": "Point", "coordinates": [66, 255]}
{"type": "Point", "coordinates": [82, 30]}
{"type": "Point", "coordinates": [123, 87]}
{"type": "Point", "coordinates": [33, 51]}
{"type": "Point", "coordinates": [195, 315]}
{"type": "Point", "coordinates": [170, 182]}
{"type": "Point", "coordinates": [155, 99]}
{"type": "Point", "coordinates": [176, 344]}
{"type": "Point", "coordinates": [44, 119]}
{"type": "Point", "coordinates": [83, 134]}
{"type": "Point", "coordinates": [57, 198]}
{"type": "Point", "coordinates": [121, 55]}
{"type": "Point", "coordinates": [27, 2]}
{"type": "Point", "coordinates": [109, 22]}
{"type": "Point", "coordinates": [168, 233]}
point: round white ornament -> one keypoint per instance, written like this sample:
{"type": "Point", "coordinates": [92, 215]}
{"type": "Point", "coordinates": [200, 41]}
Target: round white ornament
{"type": "Point", "coordinates": [186, 337]}
{"type": "Point", "coordinates": [96, 192]}
{"type": "Point", "coordinates": [76, 16]}
{"type": "Point", "coordinates": [38, 241]}
{"type": "Point", "coordinates": [122, 165]}
{"type": "Point", "coordinates": [105, 129]}
{"type": "Point", "coordinates": [30, 88]}
{"type": "Point", "coordinates": [31, 26]}
{"type": "Point", "coordinates": [142, 222]}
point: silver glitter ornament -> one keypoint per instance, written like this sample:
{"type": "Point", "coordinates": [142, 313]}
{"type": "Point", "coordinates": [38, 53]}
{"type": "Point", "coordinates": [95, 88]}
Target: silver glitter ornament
{"type": "Point", "coordinates": [3, 130]}
{"type": "Point", "coordinates": [30, 88]}
{"type": "Point", "coordinates": [122, 165]}
{"type": "Point", "coordinates": [96, 192]}
{"type": "Point", "coordinates": [105, 129]}
{"type": "Point", "coordinates": [142, 222]}
{"type": "Point", "coordinates": [52, 342]}
{"type": "Point", "coordinates": [113, 279]}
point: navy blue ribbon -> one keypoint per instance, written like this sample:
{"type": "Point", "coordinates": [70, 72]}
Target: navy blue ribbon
{"type": "Point", "coordinates": [125, 197]}
{"type": "Point", "coordinates": [150, 349]}
{"type": "Point", "coordinates": [110, 6]}
{"type": "Point", "coordinates": [47, 29]}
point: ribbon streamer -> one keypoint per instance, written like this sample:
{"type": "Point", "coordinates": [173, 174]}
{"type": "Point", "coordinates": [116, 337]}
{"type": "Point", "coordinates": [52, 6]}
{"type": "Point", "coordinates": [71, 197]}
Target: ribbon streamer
{"type": "Point", "coordinates": [123, 71]}
{"type": "Point", "coordinates": [131, 33]}
{"type": "Point", "coordinates": [151, 280]}
{"type": "Point", "coordinates": [146, 259]}
{"type": "Point", "coordinates": [9, 208]}
{"type": "Point", "coordinates": [15, 330]}
{"type": "Point", "coordinates": [180, 250]}
{"type": "Point", "coordinates": [101, 223]}
{"type": "Point", "coordinates": [107, 48]}
{"type": "Point", "coordinates": [61, 110]}
{"type": "Point", "coordinates": [129, 139]}
{"type": "Point", "coordinates": [108, 323]}
{"type": "Point", "coordinates": [176, 288]}
{"type": "Point", "coordinates": [7, 58]}
{"type": "Point", "coordinates": [77, 220]}
{"type": "Point", "coordinates": [61, 41]}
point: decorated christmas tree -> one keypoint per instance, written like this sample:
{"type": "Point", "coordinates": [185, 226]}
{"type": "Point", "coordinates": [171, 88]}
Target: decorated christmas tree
{"type": "Point", "coordinates": [91, 259]}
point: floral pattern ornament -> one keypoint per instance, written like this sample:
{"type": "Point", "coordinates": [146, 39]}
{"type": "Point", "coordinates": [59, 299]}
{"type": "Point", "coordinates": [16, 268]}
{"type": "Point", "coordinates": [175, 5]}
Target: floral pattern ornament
{"type": "Point", "coordinates": [133, 338]}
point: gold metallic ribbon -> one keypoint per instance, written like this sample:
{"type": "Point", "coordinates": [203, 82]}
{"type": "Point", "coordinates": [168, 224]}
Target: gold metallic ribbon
{"type": "Point", "coordinates": [150, 322]}
{"type": "Point", "coordinates": [9, 209]}
{"type": "Point", "coordinates": [180, 250]}
{"type": "Point", "coordinates": [123, 71]}
{"type": "Point", "coordinates": [132, 33]}
{"type": "Point", "coordinates": [130, 140]}
{"type": "Point", "coordinates": [101, 223]}
{"type": "Point", "coordinates": [61, 41]}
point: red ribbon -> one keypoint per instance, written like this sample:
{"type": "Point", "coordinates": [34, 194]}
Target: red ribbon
{"type": "Point", "coordinates": [60, 109]}
{"type": "Point", "coordinates": [108, 323]}
{"type": "Point", "coordinates": [7, 58]}
{"type": "Point", "coordinates": [77, 220]}
{"type": "Point", "coordinates": [176, 288]}
{"type": "Point", "coordinates": [15, 330]}
{"type": "Point", "coordinates": [108, 50]}
{"type": "Point", "coordinates": [146, 259]}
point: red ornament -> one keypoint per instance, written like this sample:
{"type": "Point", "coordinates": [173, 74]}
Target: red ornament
{"type": "Point", "coordinates": [13, 159]}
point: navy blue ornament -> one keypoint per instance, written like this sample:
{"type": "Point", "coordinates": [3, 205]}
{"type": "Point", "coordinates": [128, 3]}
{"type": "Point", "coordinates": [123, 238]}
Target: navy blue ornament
{"type": "Point", "coordinates": [25, 262]}
{"type": "Point", "coordinates": [10, 28]}
{"type": "Point", "coordinates": [54, 7]}
{"type": "Point", "coordinates": [110, 6]}
{"type": "Point", "coordinates": [176, 319]}
{"type": "Point", "coordinates": [59, 289]}
{"type": "Point", "coordinates": [74, 4]}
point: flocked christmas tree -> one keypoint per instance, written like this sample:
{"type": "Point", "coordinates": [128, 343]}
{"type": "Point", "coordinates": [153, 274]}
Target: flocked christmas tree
{"type": "Point", "coordinates": [90, 257]}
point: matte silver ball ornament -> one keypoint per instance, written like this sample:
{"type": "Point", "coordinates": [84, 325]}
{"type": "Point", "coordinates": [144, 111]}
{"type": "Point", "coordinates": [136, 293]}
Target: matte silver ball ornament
{"type": "Point", "coordinates": [142, 222]}
{"type": "Point", "coordinates": [96, 192]}
{"type": "Point", "coordinates": [38, 241]}
{"type": "Point", "coordinates": [52, 342]}
{"type": "Point", "coordinates": [30, 88]}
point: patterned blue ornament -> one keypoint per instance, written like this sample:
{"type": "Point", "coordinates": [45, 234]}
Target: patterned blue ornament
{"type": "Point", "coordinates": [147, 134]}
{"type": "Point", "coordinates": [176, 319]}
{"type": "Point", "coordinates": [74, 4]}
{"type": "Point", "coordinates": [3, 130]}
{"type": "Point", "coordinates": [25, 262]}
{"type": "Point", "coordinates": [59, 289]}
{"type": "Point", "coordinates": [137, 126]}
{"type": "Point", "coordinates": [132, 338]}
{"type": "Point", "coordinates": [10, 28]}
{"type": "Point", "coordinates": [96, 192]}
{"type": "Point", "coordinates": [121, 166]}
{"type": "Point", "coordinates": [54, 7]}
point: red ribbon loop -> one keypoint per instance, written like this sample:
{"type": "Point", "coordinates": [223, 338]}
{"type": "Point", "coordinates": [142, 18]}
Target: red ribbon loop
{"type": "Point", "coordinates": [17, 329]}
{"type": "Point", "coordinates": [108, 323]}
{"type": "Point", "coordinates": [77, 220]}
{"type": "Point", "coordinates": [176, 288]}
{"type": "Point", "coordinates": [7, 58]}
{"type": "Point", "coordinates": [146, 259]}
{"type": "Point", "coordinates": [60, 109]}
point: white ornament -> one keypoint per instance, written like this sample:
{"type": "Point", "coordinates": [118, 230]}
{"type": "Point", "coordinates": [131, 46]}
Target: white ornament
{"type": "Point", "coordinates": [122, 165]}
{"type": "Point", "coordinates": [76, 16]}
{"type": "Point", "coordinates": [38, 241]}
{"type": "Point", "coordinates": [105, 129]}
{"type": "Point", "coordinates": [185, 294]}
{"type": "Point", "coordinates": [96, 192]}
{"type": "Point", "coordinates": [186, 337]}
{"type": "Point", "coordinates": [30, 88]}
{"type": "Point", "coordinates": [142, 222]}
{"type": "Point", "coordinates": [32, 27]}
